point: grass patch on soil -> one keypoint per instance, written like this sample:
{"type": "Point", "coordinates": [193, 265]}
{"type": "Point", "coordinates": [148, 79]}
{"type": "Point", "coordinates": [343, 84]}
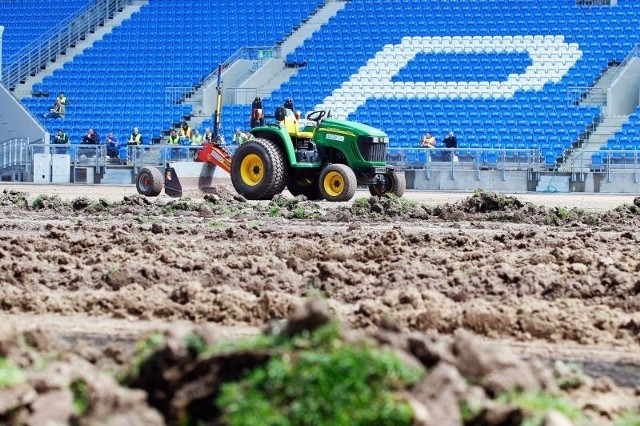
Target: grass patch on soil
{"type": "Point", "coordinates": [630, 418]}
{"type": "Point", "coordinates": [81, 397]}
{"type": "Point", "coordinates": [144, 349]}
{"type": "Point", "coordinates": [325, 382]}
{"type": "Point", "coordinates": [536, 405]}
{"type": "Point", "coordinates": [10, 373]}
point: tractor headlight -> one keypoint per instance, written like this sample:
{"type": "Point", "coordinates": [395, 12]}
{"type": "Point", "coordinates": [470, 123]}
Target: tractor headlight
{"type": "Point", "coordinates": [373, 139]}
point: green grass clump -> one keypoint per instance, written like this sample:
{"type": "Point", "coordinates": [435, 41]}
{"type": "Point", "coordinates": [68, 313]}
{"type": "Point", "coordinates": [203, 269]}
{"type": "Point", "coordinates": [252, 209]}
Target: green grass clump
{"type": "Point", "coordinates": [144, 349]}
{"type": "Point", "coordinates": [299, 213]}
{"type": "Point", "coordinates": [10, 373]}
{"type": "Point", "coordinates": [217, 224]}
{"type": "Point", "coordinates": [274, 211]}
{"type": "Point", "coordinates": [38, 202]}
{"type": "Point", "coordinates": [537, 404]}
{"type": "Point", "coordinates": [630, 418]}
{"type": "Point", "coordinates": [81, 397]}
{"type": "Point", "coordinates": [328, 382]}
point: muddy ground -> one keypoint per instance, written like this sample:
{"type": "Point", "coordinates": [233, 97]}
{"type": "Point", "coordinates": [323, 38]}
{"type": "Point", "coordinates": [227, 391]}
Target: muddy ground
{"type": "Point", "coordinates": [543, 279]}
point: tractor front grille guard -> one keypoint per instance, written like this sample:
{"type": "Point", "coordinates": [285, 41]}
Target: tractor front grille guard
{"type": "Point", "coordinates": [372, 149]}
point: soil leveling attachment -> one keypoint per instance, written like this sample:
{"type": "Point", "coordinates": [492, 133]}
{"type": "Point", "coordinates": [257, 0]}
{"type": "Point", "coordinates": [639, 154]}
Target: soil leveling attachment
{"type": "Point", "coordinates": [211, 162]}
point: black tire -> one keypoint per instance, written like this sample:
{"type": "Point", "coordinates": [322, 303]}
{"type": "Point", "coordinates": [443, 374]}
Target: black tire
{"type": "Point", "coordinates": [397, 185]}
{"type": "Point", "coordinates": [258, 170]}
{"type": "Point", "coordinates": [307, 186]}
{"type": "Point", "coordinates": [149, 182]}
{"type": "Point", "coordinates": [337, 183]}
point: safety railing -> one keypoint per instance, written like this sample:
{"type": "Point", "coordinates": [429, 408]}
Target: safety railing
{"type": "Point", "coordinates": [456, 160]}
{"type": "Point", "coordinates": [451, 160]}
{"type": "Point", "coordinates": [47, 47]}
{"type": "Point", "coordinates": [258, 54]}
{"type": "Point", "coordinates": [14, 153]}
{"type": "Point", "coordinates": [588, 94]}
{"type": "Point", "coordinates": [136, 156]}
{"type": "Point", "coordinates": [246, 52]}
{"type": "Point", "coordinates": [242, 95]}
{"type": "Point", "coordinates": [607, 161]}
{"type": "Point", "coordinates": [632, 54]}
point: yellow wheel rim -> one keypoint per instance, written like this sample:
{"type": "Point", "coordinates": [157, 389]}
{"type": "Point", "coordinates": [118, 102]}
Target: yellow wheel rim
{"type": "Point", "coordinates": [333, 184]}
{"type": "Point", "coordinates": [252, 169]}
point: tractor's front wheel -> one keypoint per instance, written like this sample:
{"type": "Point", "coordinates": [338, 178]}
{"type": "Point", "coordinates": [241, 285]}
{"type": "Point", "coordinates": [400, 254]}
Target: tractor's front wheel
{"type": "Point", "coordinates": [258, 170]}
{"type": "Point", "coordinates": [338, 183]}
{"type": "Point", "coordinates": [149, 182]}
{"type": "Point", "coordinates": [396, 184]}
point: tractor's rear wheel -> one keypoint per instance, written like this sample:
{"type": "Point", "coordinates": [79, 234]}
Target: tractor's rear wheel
{"type": "Point", "coordinates": [338, 183]}
{"type": "Point", "coordinates": [307, 186]}
{"type": "Point", "coordinates": [149, 182]}
{"type": "Point", "coordinates": [396, 185]}
{"type": "Point", "coordinates": [258, 170]}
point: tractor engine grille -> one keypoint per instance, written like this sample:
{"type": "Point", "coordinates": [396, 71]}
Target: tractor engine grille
{"type": "Point", "coordinates": [373, 149]}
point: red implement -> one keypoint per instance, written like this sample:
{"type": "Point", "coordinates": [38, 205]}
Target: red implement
{"type": "Point", "coordinates": [215, 154]}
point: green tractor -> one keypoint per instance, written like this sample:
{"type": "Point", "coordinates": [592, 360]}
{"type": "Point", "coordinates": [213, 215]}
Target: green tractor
{"type": "Point", "coordinates": [326, 159]}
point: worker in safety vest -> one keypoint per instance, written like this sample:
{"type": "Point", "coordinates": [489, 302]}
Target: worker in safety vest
{"type": "Point", "coordinates": [59, 108]}
{"type": "Point", "coordinates": [174, 139]}
{"type": "Point", "coordinates": [196, 137]}
{"type": "Point", "coordinates": [135, 138]}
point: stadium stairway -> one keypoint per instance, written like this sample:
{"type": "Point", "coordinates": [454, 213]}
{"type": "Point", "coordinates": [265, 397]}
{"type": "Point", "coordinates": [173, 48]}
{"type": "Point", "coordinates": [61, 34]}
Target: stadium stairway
{"type": "Point", "coordinates": [25, 89]}
{"type": "Point", "coordinates": [291, 43]}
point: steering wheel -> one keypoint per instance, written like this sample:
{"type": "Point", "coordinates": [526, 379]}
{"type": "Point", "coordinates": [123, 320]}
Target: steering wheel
{"type": "Point", "coordinates": [316, 116]}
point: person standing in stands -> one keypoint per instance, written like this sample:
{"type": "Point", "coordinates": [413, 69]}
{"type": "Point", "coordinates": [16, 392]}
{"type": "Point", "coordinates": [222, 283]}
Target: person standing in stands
{"type": "Point", "coordinates": [174, 139]}
{"type": "Point", "coordinates": [59, 108]}
{"type": "Point", "coordinates": [112, 146]}
{"type": "Point", "coordinates": [185, 132]}
{"type": "Point", "coordinates": [91, 138]}
{"type": "Point", "coordinates": [61, 139]}
{"type": "Point", "coordinates": [196, 137]}
{"type": "Point", "coordinates": [208, 136]}
{"type": "Point", "coordinates": [135, 138]}
{"type": "Point", "coordinates": [428, 141]}
{"type": "Point", "coordinates": [450, 142]}
{"type": "Point", "coordinates": [239, 137]}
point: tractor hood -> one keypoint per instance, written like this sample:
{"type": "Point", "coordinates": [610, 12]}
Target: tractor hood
{"type": "Point", "coordinates": [350, 128]}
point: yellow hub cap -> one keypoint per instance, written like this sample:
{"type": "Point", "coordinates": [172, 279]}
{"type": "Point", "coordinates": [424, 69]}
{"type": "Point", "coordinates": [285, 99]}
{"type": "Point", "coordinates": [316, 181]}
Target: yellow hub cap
{"type": "Point", "coordinates": [252, 169]}
{"type": "Point", "coordinates": [333, 184]}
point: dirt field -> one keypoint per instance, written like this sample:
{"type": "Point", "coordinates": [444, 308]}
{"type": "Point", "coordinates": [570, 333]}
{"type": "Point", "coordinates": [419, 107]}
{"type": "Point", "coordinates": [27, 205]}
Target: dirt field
{"type": "Point", "coordinates": [554, 275]}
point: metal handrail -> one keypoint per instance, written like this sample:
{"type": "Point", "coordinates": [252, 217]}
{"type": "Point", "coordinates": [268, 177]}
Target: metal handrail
{"type": "Point", "coordinates": [178, 94]}
{"type": "Point", "coordinates": [14, 153]}
{"type": "Point", "coordinates": [632, 54]}
{"type": "Point", "coordinates": [46, 48]}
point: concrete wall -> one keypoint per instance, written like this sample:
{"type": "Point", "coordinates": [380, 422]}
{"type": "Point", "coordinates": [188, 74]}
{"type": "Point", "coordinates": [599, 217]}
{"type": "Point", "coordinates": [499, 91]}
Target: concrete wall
{"type": "Point", "coordinates": [620, 182]}
{"type": "Point", "coordinates": [614, 183]}
{"type": "Point", "coordinates": [265, 73]}
{"type": "Point", "coordinates": [16, 121]}
{"type": "Point", "coordinates": [469, 180]}
{"type": "Point", "coordinates": [622, 95]}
